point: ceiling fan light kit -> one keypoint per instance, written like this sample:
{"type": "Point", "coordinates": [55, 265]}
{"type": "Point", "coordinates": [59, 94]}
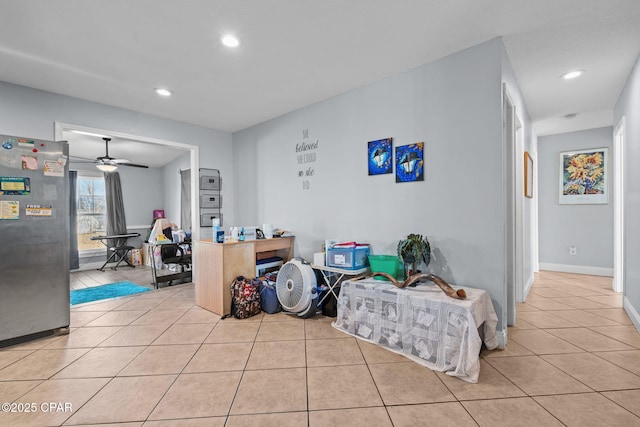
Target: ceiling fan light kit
{"type": "Point", "coordinates": [106, 167]}
{"type": "Point", "coordinates": [107, 163]}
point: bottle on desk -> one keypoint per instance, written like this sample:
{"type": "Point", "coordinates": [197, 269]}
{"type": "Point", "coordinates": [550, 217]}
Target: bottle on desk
{"type": "Point", "coordinates": [241, 235]}
{"type": "Point", "coordinates": [234, 234]}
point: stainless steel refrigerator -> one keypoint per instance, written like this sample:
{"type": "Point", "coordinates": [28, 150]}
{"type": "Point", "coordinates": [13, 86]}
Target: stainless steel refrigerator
{"type": "Point", "coordinates": [34, 238]}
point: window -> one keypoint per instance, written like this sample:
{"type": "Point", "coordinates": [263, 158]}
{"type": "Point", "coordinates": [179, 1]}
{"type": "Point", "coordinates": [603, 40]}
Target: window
{"type": "Point", "coordinates": [92, 209]}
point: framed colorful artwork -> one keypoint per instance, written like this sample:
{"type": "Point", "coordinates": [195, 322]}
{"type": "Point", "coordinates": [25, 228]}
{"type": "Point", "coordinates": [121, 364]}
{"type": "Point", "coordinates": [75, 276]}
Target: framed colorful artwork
{"type": "Point", "coordinates": [410, 162]}
{"type": "Point", "coordinates": [584, 176]}
{"type": "Point", "coordinates": [380, 154]}
{"type": "Point", "coordinates": [528, 175]}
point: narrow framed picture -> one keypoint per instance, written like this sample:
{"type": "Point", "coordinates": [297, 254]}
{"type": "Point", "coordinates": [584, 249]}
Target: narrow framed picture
{"type": "Point", "coordinates": [528, 175]}
{"type": "Point", "coordinates": [410, 162]}
{"type": "Point", "coordinates": [380, 154]}
{"type": "Point", "coordinates": [584, 176]}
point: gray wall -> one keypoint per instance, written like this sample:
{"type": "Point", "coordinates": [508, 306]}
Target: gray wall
{"type": "Point", "coordinates": [588, 227]}
{"type": "Point", "coordinates": [32, 113]}
{"type": "Point", "coordinates": [628, 106]}
{"type": "Point", "coordinates": [454, 106]}
{"type": "Point", "coordinates": [171, 183]}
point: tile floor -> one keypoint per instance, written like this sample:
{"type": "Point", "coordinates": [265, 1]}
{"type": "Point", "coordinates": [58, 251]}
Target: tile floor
{"type": "Point", "coordinates": [155, 359]}
{"type": "Point", "coordinates": [140, 275]}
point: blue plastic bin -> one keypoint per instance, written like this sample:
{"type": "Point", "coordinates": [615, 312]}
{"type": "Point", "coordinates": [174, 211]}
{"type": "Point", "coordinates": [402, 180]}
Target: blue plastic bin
{"type": "Point", "coordinates": [353, 258]}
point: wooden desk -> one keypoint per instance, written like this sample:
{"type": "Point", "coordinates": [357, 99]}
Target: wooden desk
{"type": "Point", "coordinates": [216, 265]}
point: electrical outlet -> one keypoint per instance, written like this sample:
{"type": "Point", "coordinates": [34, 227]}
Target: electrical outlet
{"type": "Point", "coordinates": [573, 250]}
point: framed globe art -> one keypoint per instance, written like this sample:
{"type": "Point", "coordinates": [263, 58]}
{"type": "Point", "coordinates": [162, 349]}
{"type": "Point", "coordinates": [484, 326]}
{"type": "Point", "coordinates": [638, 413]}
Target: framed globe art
{"type": "Point", "coordinates": [380, 155]}
{"type": "Point", "coordinates": [410, 162]}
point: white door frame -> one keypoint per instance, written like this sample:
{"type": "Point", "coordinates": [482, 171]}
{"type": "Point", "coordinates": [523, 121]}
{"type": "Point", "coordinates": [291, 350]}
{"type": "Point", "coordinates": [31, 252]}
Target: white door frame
{"type": "Point", "coordinates": [618, 207]}
{"type": "Point", "coordinates": [194, 157]}
{"type": "Point", "coordinates": [513, 166]}
{"type": "Point", "coordinates": [518, 140]}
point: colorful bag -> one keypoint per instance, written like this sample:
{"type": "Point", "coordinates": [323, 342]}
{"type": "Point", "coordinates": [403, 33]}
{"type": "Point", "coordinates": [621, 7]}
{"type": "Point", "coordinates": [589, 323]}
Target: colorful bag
{"type": "Point", "coordinates": [245, 298]}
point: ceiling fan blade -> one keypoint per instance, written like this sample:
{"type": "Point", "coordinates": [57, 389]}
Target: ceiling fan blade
{"type": "Point", "coordinates": [133, 165]}
{"type": "Point", "coordinates": [121, 161]}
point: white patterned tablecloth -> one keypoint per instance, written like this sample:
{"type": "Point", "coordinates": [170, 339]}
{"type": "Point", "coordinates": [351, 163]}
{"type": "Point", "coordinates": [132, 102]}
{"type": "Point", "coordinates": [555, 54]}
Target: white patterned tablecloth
{"type": "Point", "coordinates": [421, 323]}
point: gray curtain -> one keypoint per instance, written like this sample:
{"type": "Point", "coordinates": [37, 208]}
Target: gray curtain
{"type": "Point", "coordinates": [74, 258]}
{"type": "Point", "coordinates": [116, 222]}
{"type": "Point", "coordinates": [185, 199]}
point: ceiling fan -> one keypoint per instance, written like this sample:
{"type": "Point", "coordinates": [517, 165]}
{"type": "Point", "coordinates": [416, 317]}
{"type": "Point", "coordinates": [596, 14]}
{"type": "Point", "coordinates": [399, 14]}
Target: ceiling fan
{"type": "Point", "coordinates": [107, 163]}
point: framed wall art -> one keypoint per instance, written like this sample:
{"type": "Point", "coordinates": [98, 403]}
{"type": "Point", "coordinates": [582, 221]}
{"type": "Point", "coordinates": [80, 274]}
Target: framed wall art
{"type": "Point", "coordinates": [528, 175]}
{"type": "Point", "coordinates": [410, 162]}
{"type": "Point", "coordinates": [584, 176]}
{"type": "Point", "coordinates": [380, 154]}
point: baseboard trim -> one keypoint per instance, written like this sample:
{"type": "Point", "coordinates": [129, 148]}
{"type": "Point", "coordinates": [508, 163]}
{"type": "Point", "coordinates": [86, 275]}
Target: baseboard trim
{"type": "Point", "coordinates": [527, 287]}
{"type": "Point", "coordinates": [502, 339]}
{"type": "Point", "coordinates": [631, 312]}
{"type": "Point", "coordinates": [578, 269]}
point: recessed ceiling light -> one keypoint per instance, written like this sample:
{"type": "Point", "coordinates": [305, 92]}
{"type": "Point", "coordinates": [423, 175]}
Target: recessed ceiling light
{"type": "Point", "coordinates": [572, 74]}
{"type": "Point", "coordinates": [163, 92]}
{"type": "Point", "coordinates": [230, 41]}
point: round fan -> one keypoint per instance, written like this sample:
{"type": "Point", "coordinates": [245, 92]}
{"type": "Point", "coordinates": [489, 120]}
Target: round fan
{"type": "Point", "coordinates": [296, 288]}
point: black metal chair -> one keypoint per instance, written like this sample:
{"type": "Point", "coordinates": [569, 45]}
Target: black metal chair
{"type": "Point", "coordinates": [178, 254]}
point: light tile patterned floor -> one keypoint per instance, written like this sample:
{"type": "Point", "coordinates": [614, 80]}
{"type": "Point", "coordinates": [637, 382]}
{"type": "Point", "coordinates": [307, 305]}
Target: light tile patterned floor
{"type": "Point", "coordinates": [155, 359]}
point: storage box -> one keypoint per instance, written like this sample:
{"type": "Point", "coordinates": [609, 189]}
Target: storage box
{"type": "Point", "coordinates": [211, 183]}
{"type": "Point", "coordinates": [213, 200]}
{"type": "Point", "coordinates": [386, 264]}
{"type": "Point", "coordinates": [250, 233]}
{"type": "Point", "coordinates": [353, 258]}
{"type": "Point", "coordinates": [268, 265]}
{"type": "Point", "coordinates": [206, 218]}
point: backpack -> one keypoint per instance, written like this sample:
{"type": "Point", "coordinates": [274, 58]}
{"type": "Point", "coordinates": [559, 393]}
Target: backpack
{"type": "Point", "coordinates": [245, 298]}
{"type": "Point", "coordinates": [269, 297]}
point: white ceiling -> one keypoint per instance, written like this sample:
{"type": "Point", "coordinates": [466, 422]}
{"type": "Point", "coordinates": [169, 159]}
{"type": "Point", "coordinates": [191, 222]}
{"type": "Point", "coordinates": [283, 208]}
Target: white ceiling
{"type": "Point", "coordinates": [297, 52]}
{"type": "Point", "coordinates": [139, 152]}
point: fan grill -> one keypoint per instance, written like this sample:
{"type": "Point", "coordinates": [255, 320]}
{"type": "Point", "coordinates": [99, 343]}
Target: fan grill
{"type": "Point", "coordinates": [289, 286]}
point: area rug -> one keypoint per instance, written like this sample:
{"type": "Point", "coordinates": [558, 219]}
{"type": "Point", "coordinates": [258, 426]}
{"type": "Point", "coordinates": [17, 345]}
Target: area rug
{"type": "Point", "coordinates": [112, 290]}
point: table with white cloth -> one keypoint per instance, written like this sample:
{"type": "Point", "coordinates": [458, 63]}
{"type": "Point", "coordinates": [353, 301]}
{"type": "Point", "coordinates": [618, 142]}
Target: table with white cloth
{"type": "Point", "coordinates": [421, 323]}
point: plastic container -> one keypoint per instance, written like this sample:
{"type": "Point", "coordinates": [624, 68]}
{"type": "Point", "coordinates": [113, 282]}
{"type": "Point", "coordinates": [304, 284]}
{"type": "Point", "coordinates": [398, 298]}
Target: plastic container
{"type": "Point", "coordinates": [353, 258]}
{"type": "Point", "coordinates": [385, 264]}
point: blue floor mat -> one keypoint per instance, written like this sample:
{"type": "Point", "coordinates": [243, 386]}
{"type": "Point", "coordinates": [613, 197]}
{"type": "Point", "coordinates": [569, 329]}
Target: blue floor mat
{"type": "Point", "coordinates": [113, 290]}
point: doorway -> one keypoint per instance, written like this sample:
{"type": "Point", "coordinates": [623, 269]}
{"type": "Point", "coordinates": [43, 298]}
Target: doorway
{"type": "Point", "coordinates": [618, 207]}
{"type": "Point", "coordinates": [60, 128]}
{"type": "Point", "coordinates": [514, 183]}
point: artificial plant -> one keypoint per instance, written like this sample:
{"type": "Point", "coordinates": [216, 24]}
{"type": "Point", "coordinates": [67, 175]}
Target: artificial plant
{"type": "Point", "coordinates": [415, 249]}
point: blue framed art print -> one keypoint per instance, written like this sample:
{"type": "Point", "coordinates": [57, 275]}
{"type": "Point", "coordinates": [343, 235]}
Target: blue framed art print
{"type": "Point", "coordinates": [410, 162]}
{"type": "Point", "coordinates": [380, 154]}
